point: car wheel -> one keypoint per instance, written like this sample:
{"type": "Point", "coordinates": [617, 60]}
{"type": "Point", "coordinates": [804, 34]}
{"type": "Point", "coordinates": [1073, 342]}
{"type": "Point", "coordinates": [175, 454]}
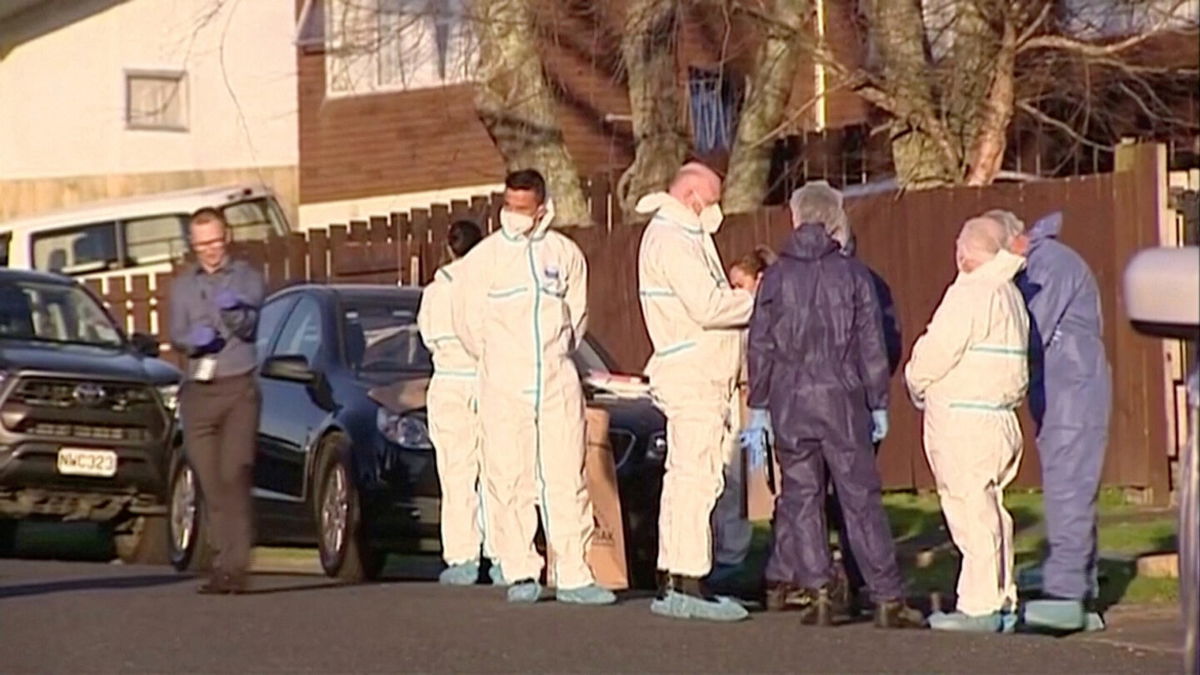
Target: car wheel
{"type": "Point", "coordinates": [188, 548]}
{"type": "Point", "coordinates": [345, 555]}
{"type": "Point", "coordinates": [143, 540]}
{"type": "Point", "coordinates": [8, 537]}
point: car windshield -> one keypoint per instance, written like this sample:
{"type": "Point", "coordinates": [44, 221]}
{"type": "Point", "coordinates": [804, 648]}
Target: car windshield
{"type": "Point", "coordinates": [382, 336]}
{"type": "Point", "coordinates": [48, 312]}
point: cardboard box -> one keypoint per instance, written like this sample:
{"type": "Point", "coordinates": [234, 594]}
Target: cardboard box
{"type": "Point", "coordinates": [605, 553]}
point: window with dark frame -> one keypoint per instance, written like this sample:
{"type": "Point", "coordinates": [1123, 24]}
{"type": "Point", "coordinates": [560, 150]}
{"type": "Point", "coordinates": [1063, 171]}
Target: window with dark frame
{"type": "Point", "coordinates": [156, 100]}
{"type": "Point", "coordinates": [714, 103]}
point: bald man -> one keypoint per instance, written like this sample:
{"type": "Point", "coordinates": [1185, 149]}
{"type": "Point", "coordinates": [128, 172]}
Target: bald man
{"type": "Point", "coordinates": [968, 372]}
{"type": "Point", "coordinates": [694, 317]}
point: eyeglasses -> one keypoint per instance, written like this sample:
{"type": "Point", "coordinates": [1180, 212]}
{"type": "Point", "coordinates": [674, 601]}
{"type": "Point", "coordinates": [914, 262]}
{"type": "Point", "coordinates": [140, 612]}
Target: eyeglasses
{"type": "Point", "coordinates": [208, 243]}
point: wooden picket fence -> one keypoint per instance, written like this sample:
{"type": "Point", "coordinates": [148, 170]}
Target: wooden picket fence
{"type": "Point", "coordinates": [906, 239]}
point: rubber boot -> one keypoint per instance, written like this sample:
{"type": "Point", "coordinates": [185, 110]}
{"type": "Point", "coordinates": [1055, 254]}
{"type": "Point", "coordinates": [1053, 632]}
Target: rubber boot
{"type": "Point", "coordinates": [662, 583]}
{"type": "Point", "coordinates": [777, 594]}
{"type": "Point", "coordinates": [896, 614]}
{"type": "Point", "coordinates": [824, 610]}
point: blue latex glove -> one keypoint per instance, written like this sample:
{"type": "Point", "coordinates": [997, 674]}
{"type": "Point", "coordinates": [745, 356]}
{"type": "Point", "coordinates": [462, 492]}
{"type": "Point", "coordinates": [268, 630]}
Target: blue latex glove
{"type": "Point", "coordinates": [202, 336]}
{"type": "Point", "coordinates": [754, 444]}
{"type": "Point", "coordinates": [760, 420]}
{"type": "Point", "coordinates": [227, 299]}
{"type": "Point", "coordinates": [879, 425]}
{"type": "Point", "coordinates": [756, 436]}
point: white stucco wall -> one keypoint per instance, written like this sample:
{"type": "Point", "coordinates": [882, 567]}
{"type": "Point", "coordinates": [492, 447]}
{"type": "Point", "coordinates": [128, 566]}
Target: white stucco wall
{"type": "Point", "coordinates": [62, 86]}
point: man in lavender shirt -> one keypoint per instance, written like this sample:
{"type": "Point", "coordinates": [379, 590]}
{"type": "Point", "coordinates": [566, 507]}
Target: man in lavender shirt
{"type": "Point", "coordinates": [214, 317]}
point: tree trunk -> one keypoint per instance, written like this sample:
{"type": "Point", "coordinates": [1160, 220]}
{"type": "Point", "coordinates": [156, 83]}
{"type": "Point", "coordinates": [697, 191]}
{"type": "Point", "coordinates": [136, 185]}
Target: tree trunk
{"type": "Point", "coordinates": [968, 72]}
{"type": "Point", "coordinates": [517, 106]}
{"type": "Point", "coordinates": [923, 153]}
{"type": "Point", "coordinates": [648, 51]}
{"type": "Point", "coordinates": [991, 133]}
{"type": "Point", "coordinates": [765, 108]}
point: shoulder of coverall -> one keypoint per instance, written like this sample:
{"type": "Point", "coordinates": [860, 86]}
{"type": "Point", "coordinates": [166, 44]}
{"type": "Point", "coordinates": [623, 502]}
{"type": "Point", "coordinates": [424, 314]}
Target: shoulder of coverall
{"type": "Point", "coordinates": [997, 271]}
{"type": "Point", "coordinates": [670, 211]}
{"type": "Point", "coordinates": [450, 271]}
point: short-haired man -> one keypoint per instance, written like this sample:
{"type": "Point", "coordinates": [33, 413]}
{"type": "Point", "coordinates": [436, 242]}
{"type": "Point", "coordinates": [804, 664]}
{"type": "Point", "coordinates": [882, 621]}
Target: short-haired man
{"type": "Point", "coordinates": [968, 372]}
{"type": "Point", "coordinates": [521, 310]}
{"type": "Point", "coordinates": [214, 317]}
{"type": "Point", "coordinates": [695, 320]}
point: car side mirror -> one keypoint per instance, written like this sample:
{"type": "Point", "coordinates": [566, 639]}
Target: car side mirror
{"type": "Point", "coordinates": [288, 367]}
{"type": "Point", "coordinates": [295, 368]}
{"type": "Point", "coordinates": [1162, 292]}
{"type": "Point", "coordinates": [146, 345]}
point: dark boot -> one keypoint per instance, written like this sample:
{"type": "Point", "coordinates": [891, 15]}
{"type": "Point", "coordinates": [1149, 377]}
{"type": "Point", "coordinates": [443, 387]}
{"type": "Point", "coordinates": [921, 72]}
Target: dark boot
{"type": "Point", "coordinates": [218, 584]}
{"type": "Point", "coordinates": [823, 610]}
{"type": "Point", "coordinates": [662, 582]}
{"type": "Point", "coordinates": [782, 596]}
{"type": "Point", "coordinates": [693, 586]}
{"type": "Point", "coordinates": [896, 614]}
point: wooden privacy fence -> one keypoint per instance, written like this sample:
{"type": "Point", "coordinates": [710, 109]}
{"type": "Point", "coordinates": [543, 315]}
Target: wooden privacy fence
{"type": "Point", "coordinates": [907, 240]}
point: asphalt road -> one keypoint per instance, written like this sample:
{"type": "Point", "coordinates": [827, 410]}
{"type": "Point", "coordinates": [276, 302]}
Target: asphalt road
{"type": "Point", "coordinates": [99, 618]}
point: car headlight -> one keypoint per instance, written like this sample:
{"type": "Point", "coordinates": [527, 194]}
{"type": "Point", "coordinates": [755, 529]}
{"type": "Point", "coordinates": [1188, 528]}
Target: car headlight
{"type": "Point", "coordinates": [169, 393]}
{"type": "Point", "coordinates": [656, 450]}
{"type": "Point", "coordinates": [408, 430]}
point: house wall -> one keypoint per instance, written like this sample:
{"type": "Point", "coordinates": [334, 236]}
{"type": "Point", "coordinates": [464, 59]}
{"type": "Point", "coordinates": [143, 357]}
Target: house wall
{"type": "Point", "coordinates": [62, 74]}
{"type": "Point", "coordinates": [389, 145]}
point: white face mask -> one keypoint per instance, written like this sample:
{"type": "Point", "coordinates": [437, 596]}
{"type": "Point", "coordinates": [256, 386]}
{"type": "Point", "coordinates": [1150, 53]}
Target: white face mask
{"type": "Point", "coordinates": [515, 223]}
{"type": "Point", "coordinates": [711, 218]}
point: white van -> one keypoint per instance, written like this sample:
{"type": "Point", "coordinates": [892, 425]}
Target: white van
{"type": "Point", "coordinates": [134, 235]}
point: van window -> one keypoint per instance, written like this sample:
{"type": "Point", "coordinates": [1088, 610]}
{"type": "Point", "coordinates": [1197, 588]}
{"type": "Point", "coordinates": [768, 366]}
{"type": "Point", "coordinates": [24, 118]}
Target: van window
{"type": "Point", "coordinates": [90, 248]}
{"type": "Point", "coordinates": [5, 240]}
{"type": "Point", "coordinates": [254, 220]}
{"type": "Point", "coordinates": [155, 239]}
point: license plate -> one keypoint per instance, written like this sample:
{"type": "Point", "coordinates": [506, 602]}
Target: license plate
{"type": "Point", "coordinates": [80, 462]}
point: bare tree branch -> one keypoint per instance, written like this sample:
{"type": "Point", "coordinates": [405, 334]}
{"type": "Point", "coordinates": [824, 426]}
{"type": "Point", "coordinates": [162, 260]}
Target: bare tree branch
{"type": "Point", "coordinates": [1090, 49]}
{"type": "Point", "coordinates": [1062, 126]}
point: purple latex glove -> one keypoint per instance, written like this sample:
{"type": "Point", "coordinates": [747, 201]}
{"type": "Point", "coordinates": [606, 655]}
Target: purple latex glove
{"type": "Point", "coordinates": [202, 336]}
{"type": "Point", "coordinates": [227, 299]}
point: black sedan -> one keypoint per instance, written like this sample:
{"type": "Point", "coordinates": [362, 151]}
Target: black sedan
{"type": "Point", "coordinates": [344, 459]}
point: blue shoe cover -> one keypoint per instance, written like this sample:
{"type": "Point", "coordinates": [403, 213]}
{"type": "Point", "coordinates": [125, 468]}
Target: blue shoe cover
{"type": "Point", "coordinates": [496, 574]}
{"type": "Point", "coordinates": [957, 621]}
{"type": "Point", "coordinates": [1093, 622]}
{"type": "Point", "coordinates": [526, 592]}
{"type": "Point", "coordinates": [682, 606]}
{"type": "Point", "coordinates": [462, 574]}
{"type": "Point", "coordinates": [586, 595]}
{"type": "Point", "coordinates": [1055, 616]}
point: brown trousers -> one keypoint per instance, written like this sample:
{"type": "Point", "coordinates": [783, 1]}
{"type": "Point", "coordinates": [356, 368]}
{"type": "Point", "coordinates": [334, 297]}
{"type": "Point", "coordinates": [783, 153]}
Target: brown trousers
{"type": "Point", "coordinates": [220, 430]}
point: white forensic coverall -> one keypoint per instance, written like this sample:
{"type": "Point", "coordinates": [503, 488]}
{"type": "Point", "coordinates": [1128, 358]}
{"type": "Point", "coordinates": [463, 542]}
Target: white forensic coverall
{"type": "Point", "coordinates": [453, 427]}
{"type": "Point", "coordinates": [732, 532]}
{"type": "Point", "coordinates": [523, 312]}
{"type": "Point", "coordinates": [970, 368]}
{"type": "Point", "coordinates": [694, 318]}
